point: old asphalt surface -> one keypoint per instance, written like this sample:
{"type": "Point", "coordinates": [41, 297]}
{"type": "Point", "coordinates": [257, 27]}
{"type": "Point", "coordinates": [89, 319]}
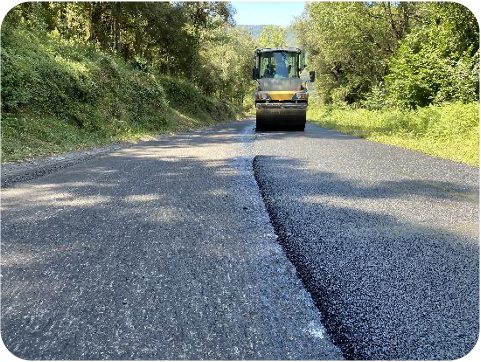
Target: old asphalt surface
{"type": "Point", "coordinates": [227, 244]}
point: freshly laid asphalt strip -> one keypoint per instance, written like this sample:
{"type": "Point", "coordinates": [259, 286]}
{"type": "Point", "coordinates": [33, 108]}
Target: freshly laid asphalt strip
{"type": "Point", "coordinates": [385, 239]}
{"type": "Point", "coordinates": [163, 250]}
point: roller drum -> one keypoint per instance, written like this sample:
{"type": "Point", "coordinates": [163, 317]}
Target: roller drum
{"type": "Point", "coordinates": [280, 117]}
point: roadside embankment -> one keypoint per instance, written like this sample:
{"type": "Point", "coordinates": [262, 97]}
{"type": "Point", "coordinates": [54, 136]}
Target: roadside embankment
{"type": "Point", "coordinates": [59, 96]}
{"type": "Point", "coordinates": [450, 131]}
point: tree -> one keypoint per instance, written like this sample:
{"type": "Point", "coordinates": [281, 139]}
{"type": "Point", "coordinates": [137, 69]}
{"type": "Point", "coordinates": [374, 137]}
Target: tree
{"type": "Point", "coordinates": [438, 61]}
{"type": "Point", "coordinates": [350, 43]}
{"type": "Point", "coordinates": [272, 37]}
{"type": "Point", "coordinates": [193, 40]}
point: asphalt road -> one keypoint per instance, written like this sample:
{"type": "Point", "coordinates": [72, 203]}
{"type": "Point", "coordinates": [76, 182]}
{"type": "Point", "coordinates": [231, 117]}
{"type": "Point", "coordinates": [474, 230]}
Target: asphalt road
{"type": "Point", "coordinates": [385, 239]}
{"type": "Point", "coordinates": [168, 250]}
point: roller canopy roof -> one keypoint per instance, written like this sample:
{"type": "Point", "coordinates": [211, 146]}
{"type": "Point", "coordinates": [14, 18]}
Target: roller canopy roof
{"type": "Point", "coordinates": [286, 49]}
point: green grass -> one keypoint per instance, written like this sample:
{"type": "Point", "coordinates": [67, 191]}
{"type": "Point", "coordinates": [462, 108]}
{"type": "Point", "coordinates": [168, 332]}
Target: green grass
{"type": "Point", "coordinates": [449, 131]}
{"type": "Point", "coordinates": [59, 96]}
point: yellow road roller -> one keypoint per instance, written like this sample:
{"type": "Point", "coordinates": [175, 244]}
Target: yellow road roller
{"type": "Point", "coordinates": [281, 96]}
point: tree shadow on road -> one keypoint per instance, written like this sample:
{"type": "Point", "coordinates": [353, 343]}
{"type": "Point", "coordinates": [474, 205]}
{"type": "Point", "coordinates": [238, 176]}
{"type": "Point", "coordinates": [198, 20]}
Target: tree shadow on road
{"type": "Point", "coordinates": [141, 256]}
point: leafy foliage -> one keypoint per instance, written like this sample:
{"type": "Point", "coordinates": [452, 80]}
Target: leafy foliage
{"type": "Point", "coordinates": [350, 44]}
{"type": "Point", "coordinates": [438, 61]}
{"type": "Point", "coordinates": [171, 37]}
{"type": "Point", "coordinates": [402, 54]}
{"type": "Point", "coordinates": [80, 74]}
{"type": "Point", "coordinates": [290, 34]}
{"type": "Point", "coordinates": [272, 37]}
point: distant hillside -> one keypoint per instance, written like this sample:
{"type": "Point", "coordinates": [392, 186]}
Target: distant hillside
{"type": "Point", "coordinates": [255, 30]}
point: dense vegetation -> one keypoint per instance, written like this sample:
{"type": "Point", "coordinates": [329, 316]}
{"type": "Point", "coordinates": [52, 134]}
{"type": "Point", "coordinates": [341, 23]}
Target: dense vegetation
{"type": "Point", "coordinates": [57, 96]}
{"type": "Point", "coordinates": [380, 65]}
{"type": "Point", "coordinates": [82, 74]}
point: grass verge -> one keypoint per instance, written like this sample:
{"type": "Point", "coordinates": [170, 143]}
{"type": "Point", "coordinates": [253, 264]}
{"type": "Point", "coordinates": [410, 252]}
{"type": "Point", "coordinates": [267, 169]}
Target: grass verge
{"type": "Point", "coordinates": [449, 131]}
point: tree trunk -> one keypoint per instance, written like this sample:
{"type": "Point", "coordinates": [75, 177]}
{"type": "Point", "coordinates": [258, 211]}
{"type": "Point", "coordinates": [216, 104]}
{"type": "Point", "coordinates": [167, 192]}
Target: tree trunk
{"type": "Point", "coordinates": [116, 9]}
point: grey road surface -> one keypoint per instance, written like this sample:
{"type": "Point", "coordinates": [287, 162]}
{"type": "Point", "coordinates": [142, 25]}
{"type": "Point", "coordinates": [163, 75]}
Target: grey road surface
{"type": "Point", "coordinates": [163, 250]}
{"type": "Point", "coordinates": [168, 250]}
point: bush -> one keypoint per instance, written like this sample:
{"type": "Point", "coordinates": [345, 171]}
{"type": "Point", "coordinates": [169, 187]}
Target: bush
{"type": "Point", "coordinates": [438, 61]}
{"type": "Point", "coordinates": [420, 76]}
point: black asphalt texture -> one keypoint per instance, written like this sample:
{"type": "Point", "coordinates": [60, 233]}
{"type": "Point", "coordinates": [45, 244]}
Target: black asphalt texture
{"type": "Point", "coordinates": [225, 243]}
{"type": "Point", "coordinates": [385, 239]}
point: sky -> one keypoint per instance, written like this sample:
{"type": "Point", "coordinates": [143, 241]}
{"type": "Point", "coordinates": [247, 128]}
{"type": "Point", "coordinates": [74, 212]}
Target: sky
{"type": "Point", "coordinates": [267, 12]}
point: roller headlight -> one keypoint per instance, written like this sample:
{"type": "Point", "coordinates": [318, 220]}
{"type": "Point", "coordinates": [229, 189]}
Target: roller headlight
{"type": "Point", "coordinates": [262, 96]}
{"type": "Point", "coordinates": [300, 96]}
